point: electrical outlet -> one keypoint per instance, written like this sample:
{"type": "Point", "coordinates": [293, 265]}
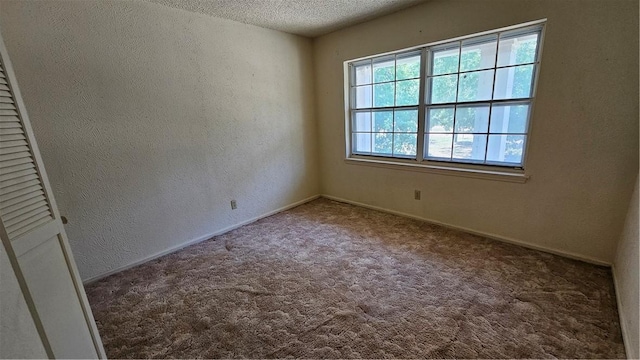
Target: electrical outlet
{"type": "Point", "coordinates": [416, 194]}
{"type": "Point", "coordinates": [234, 205]}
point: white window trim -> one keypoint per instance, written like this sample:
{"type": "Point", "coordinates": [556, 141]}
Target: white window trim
{"type": "Point", "coordinates": [481, 171]}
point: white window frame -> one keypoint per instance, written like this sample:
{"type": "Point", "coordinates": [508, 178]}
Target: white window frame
{"type": "Point", "coordinates": [497, 171]}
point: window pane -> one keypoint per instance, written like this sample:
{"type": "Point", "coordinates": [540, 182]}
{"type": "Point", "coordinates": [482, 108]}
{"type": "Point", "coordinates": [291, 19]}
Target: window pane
{"type": "Point", "coordinates": [440, 119]}
{"type": "Point", "coordinates": [384, 69]}
{"type": "Point", "coordinates": [438, 145]}
{"type": "Point", "coordinates": [472, 119]}
{"type": "Point", "coordinates": [382, 143]}
{"type": "Point", "coordinates": [383, 94]}
{"type": "Point", "coordinates": [362, 122]}
{"type": "Point", "coordinates": [363, 97]}
{"type": "Point", "coordinates": [443, 89]}
{"type": "Point", "coordinates": [469, 147]}
{"type": "Point", "coordinates": [361, 143]}
{"type": "Point", "coordinates": [479, 53]}
{"type": "Point", "coordinates": [477, 99]}
{"type": "Point", "coordinates": [363, 73]}
{"type": "Point", "coordinates": [509, 118]}
{"type": "Point", "coordinates": [506, 148]}
{"type": "Point", "coordinates": [406, 121]}
{"type": "Point", "coordinates": [445, 59]}
{"type": "Point", "coordinates": [407, 66]}
{"type": "Point", "coordinates": [383, 121]}
{"type": "Point", "coordinates": [475, 86]}
{"type": "Point", "coordinates": [517, 49]}
{"type": "Point", "coordinates": [513, 82]}
{"type": "Point", "coordinates": [405, 144]}
{"type": "Point", "coordinates": [407, 92]}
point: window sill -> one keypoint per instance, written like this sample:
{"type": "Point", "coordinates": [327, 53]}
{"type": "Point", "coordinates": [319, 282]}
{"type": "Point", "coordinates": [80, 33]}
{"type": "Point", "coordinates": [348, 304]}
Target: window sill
{"type": "Point", "coordinates": [514, 177]}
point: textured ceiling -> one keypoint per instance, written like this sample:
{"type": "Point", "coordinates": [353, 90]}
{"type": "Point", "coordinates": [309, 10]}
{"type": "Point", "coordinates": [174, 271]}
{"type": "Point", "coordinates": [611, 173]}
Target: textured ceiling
{"type": "Point", "coordinates": [303, 17]}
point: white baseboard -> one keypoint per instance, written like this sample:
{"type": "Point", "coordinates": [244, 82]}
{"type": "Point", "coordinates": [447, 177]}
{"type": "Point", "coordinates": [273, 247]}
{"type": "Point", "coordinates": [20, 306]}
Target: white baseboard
{"type": "Point", "coordinates": [475, 232]}
{"type": "Point", "coordinates": [621, 316]}
{"type": "Point", "coordinates": [460, 228]}
{"type": "Point", "coordinates": [195, 241]}
{"type": "Point", "coordinates": [287, 207]}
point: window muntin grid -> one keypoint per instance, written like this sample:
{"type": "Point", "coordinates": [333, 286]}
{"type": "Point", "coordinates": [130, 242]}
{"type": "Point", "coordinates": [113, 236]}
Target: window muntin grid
{"type": "Point", "coordinates": [384, 109]}
{"type": "Point", "coordinates": [482, 85]}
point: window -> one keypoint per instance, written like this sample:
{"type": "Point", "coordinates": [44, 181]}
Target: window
{"type": "Point", "coordinates": [462, 102]}
{"type": "Point", "coordinates": [385, 110]}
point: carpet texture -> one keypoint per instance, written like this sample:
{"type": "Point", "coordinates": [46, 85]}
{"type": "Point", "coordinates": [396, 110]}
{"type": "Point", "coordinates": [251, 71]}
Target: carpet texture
{"type": "Point", "coordinates": [331, 280]}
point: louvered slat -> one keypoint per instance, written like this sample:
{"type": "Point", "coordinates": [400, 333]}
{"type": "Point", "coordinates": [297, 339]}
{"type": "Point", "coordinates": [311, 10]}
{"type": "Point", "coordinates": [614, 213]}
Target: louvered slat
{"type": "Point", "coordinates": [14, 162]}
{"type": "Point", "coordinates": [18, 180]}
{"type": "Point", "coordinates": [23, 205]}
{"type": "Point", "coordinates": [8, 113]}
{"type": "Point", "coordinates": [14, 149]}
{"type": "Point", "coordinates": [10, 125]}
{"type": "Point", "coordinates": [10, 131]}
{"type": "Point", "coordinates": [7, 118]}
{"type": "Point", "coordinates": [15, 174]}
{"type": "Point", "coordinates": [8, 144]}
{"type": "Point", "coordinates": [6, 105]}
{"type": "Point", "coordinates": [35, 208]}
{"type": "Point", "coordinates": [11, 137]}
{"type": "Point", "coordinates": [9, 172]}
{"type": "Point", "coordinates": [15, 194]}
{"type": "Point", "coordinates": [22, 218]}
{"type": "Point", "coordinates": [28, 224]}
{"type": "Point", "coordinates": [27, 194]}
{"type": "Point", "coordinates": [14, 156]}
{"type": "Point", "coordinates": [27, 184]}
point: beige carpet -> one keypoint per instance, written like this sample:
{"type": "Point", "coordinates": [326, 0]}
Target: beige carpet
{"type": "Point", "coordinates": [331, 280]}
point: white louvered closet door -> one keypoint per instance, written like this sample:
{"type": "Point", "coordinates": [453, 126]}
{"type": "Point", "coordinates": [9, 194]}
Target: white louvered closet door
{"type": "Point", "coordinates": [34, 236]}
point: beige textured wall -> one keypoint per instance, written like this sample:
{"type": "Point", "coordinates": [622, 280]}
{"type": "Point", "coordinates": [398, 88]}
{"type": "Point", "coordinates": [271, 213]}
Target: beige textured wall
{"type": "Point", "coordinates": [19, 338]}
{"type": "Point", "coordinates": [626, 269]}
{"type": "Point", "coordinates": [151, 119]}
{"type": "Point", "coordinates": [583, 151]}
